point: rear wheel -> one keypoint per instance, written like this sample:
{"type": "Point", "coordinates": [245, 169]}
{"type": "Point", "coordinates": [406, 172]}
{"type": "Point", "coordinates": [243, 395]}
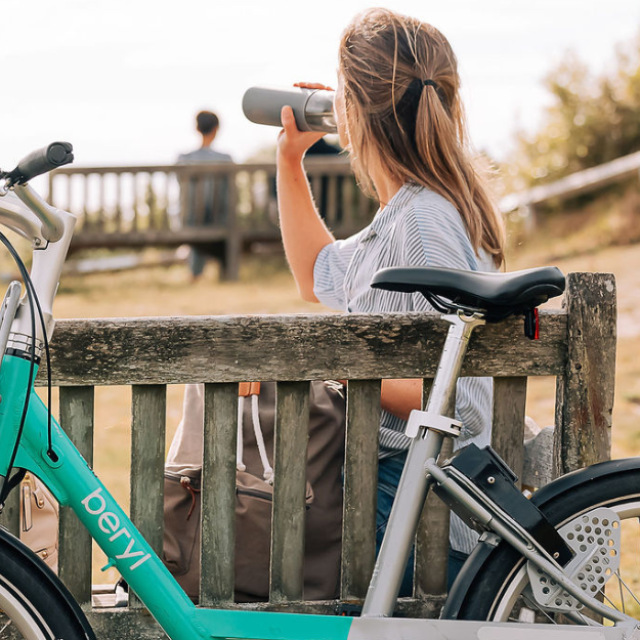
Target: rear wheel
{"type": "Point", "coordinates": [501, 591]}
{"type": "Point", "coordinates": [33, 603]}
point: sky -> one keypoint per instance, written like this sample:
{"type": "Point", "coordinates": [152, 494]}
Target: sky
{"type": "Point", "coordinates": [122, 80]}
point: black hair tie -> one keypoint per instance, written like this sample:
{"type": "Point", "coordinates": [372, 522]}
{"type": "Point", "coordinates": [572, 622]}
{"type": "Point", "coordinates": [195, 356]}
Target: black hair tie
{"type": "Point", "coordinates": [430, 83]}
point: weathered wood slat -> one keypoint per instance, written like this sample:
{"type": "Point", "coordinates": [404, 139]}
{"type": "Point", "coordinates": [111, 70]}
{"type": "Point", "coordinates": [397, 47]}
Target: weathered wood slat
{"type": "Point", "coordinates": [363, 206]}
{"type": "Point", "coordinates": [219, 493]}
{"type": "Point", "coordinates": [74, 543]}
{"type": "Point", "coordinates": [432, 537]}
{"type": "Point", "coordinates": [148, 424]}
{"type": "Point", "coordinates": [222, 349]}
{"type": "Point", "coordinates": [331, 205]}
{"type": "Point", "coordinates": [100, 214]}
{"type": "Point", "coordinates": [85, 201]}
{"type": "Point", "coordinates": [360, 488]}
{"type": "Point", "coordinates": [289, 492]}
{"type": "Point", "coordinates": [135, 222]}
{"type": "Point", "coordinates": [509, 400]}
{"type": "Point", "coordinates": [432, 544]}
{"type": "Point", "coordinates": [348, 194]}
{"type": "Point", "coordinates": [118, 212]}
{"type": "Point", "coordinates": [69, 181]}
{"type": "Point", "coordinates": [585, 393]}
{"type": "Point", "coordinates": [197, 185]}
{"type": "Point", "coordinates": [233, 246]}
{"type": "Point", "coordinates": [164, 217]}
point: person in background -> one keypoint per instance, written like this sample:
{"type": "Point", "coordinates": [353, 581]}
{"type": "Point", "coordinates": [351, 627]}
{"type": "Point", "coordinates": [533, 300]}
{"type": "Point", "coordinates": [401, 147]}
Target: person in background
{"type": "Point", "coordinates": [207, 125]}
{"type": "Point", "coordinates": [400, 117]}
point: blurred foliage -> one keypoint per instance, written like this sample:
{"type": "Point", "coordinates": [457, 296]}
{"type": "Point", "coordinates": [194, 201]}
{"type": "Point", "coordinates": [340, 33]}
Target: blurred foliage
{"type": "Point", "coordinates": [592, 119]}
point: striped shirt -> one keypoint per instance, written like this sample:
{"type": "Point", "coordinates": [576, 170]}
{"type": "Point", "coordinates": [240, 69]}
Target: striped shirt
{"type": "Point", "coordinates": [416, 228]}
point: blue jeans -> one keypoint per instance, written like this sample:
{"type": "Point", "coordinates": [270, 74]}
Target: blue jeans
{"type": "Point", "coordinates": [389, 472]}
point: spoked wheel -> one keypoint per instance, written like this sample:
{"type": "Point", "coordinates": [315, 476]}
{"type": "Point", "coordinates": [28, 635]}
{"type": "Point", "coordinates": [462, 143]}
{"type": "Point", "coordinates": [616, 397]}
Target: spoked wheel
{"type": "Point", "coordinates": [504, 590]}
{"type": "Point", "coordinates": [33, 603]}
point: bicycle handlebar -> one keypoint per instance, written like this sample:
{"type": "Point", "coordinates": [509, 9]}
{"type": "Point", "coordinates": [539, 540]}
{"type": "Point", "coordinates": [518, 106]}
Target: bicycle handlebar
{"type": "Point", "coordinates": [38, 162]}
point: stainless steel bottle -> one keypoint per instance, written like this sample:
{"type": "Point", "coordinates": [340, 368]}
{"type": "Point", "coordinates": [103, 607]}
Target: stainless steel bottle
{"type": "Point", "coordinates": [312, 108]}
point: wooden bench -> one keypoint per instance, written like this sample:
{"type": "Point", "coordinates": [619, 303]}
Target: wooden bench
{"type": "Point", "coordinates": [577, 346]}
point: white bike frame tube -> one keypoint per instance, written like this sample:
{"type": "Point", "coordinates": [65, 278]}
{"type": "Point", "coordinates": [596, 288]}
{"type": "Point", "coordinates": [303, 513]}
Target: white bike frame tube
{"type": "Point", "coordinates": [17, 217]}
{"type": "Point", "coordinates": [52, 219]}
{"type": "Point", "coordinates": [47, 262]}
{"type": "Point", "coordinates": [412, 490]}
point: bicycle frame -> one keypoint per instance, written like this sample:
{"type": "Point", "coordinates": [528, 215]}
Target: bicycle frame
{"type": "Point", "coordinates": [75, 485]}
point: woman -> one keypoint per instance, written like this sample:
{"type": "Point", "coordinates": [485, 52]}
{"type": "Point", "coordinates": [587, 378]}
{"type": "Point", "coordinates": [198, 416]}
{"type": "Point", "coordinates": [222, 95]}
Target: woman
{"type": "Point", "coordinates": [400, 117]}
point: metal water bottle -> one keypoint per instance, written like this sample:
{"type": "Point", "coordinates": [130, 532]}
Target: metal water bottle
{"type": "Point", "coordinates": [312, 108]}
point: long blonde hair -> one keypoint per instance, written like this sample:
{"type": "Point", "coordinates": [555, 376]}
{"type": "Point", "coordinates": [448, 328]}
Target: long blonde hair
{"type": "Point", "coordinates": [416, 130]}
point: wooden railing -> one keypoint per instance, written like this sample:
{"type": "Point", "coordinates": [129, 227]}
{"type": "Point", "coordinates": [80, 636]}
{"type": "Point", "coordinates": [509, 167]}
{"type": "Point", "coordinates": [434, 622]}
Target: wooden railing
{"type": "Point", "coordinates": [577, 346]}
{"type": "Point", "coordinates": [576, 184]}
{"type": "Point", "coordinates": [223, 208]}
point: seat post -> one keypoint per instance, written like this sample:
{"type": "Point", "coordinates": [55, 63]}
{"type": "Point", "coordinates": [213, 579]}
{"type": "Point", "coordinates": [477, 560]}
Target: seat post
{"type": "Point", "coordinates": [451, 359]}
{"type": "Point", "coordinates": [413, 487]}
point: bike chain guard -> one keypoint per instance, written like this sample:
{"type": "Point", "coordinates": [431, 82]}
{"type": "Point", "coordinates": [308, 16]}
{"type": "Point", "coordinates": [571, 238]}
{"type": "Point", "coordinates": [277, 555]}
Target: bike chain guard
{"type": "Point", "coordinates": [595, 539]}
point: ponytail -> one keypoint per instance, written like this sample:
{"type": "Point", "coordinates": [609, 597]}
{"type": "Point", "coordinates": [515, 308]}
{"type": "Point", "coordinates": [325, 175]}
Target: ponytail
{"type": "Point", "coordinates": [403, 108]}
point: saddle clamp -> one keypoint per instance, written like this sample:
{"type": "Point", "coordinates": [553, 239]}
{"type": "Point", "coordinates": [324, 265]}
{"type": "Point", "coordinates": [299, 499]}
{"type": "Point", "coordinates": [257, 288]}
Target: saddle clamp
{"type": "Point", "coordinates": [429, 420]}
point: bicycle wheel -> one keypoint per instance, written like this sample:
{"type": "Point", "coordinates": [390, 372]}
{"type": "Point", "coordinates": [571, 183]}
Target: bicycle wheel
{"type": "Point", "coordinates": [33, 603]}
{"type": "Point", "coordinates": [501, 590]}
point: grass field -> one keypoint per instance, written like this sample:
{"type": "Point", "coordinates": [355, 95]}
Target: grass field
{"type": "Point", "coordinates": [267, 287]}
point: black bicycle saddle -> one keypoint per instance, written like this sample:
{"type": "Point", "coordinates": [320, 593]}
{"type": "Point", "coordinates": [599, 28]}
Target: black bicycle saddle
{"type": "Point", "coordinates": [497, 295]}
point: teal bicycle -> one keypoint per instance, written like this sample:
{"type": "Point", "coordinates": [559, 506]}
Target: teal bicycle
{"type": "Point", "coordinates": [554, 558]}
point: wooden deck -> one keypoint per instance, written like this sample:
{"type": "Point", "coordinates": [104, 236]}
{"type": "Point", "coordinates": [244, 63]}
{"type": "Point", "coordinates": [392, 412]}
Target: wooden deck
{"type": "Point", "coordinates": [223, 209]}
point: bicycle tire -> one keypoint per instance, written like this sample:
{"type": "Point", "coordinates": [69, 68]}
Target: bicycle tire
{"type": "Point", "coordinates": [499, 582]}
{"type": "Point", "coordinates": [34, 604]}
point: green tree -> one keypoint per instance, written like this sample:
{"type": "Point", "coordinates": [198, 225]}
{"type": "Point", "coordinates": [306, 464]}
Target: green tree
{"type": "Point", "coordinates": [591, 120]}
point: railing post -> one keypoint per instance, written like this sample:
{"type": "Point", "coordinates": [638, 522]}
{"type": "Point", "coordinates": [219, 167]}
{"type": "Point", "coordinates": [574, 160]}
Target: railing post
{"type": "Point", "coordinates": [233, 244]}
{"type": "Point", "coordinates": [286, 576]}
{"type": "Point", "coordinates": [148, 424]}
{"type": "Point", "coordinates": [432, 538]}
{"type": "Point", "coordinates": [219, 493]}
{"type": "Point", "coordinates": [507, 437]}
{"type": "Point", "coordinates": [584, 396]}
{"type": "Point", "coordinates": [74, 544]}
{"type": "Point", "coordinates": [360, 488]}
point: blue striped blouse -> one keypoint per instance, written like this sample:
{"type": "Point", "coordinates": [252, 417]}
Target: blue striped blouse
{"type": "Point", "coordinates": [416, 228]}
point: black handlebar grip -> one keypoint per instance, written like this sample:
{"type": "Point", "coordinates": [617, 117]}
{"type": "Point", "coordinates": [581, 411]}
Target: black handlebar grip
{"type": "Point", "coordinates": [38, 162]}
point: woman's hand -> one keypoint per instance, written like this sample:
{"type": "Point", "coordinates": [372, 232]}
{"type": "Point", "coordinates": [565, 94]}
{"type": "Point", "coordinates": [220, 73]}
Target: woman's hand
{"type": "Point", "coordinates": [292, 143]}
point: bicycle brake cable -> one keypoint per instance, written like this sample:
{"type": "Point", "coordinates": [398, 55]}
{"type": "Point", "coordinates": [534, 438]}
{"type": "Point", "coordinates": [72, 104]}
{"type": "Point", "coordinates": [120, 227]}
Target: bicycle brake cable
{"type": "Point", "coordinates": [32, 297]}
{"type": "Point", "coordinates": [8, 485]}
{"type": "Point", "coordinates": [28, 282]}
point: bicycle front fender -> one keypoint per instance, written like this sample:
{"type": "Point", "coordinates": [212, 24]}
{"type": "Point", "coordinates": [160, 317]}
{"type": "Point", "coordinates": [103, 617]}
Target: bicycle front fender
{"type": "Point", "coordinates": [544, 499]}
